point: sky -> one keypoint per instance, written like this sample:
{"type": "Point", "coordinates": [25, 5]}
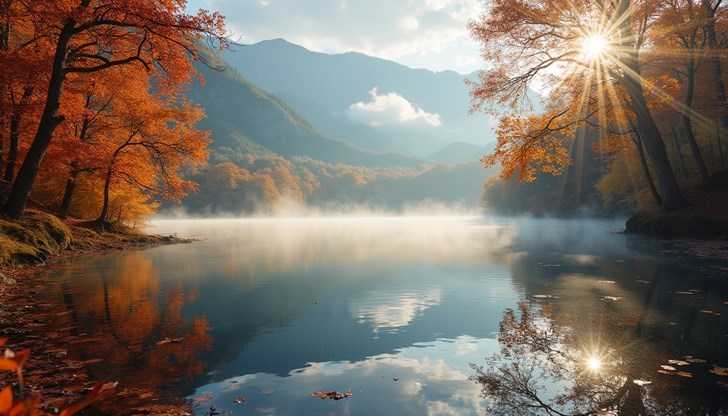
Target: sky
{"type": "Point", "coordinates": [429, 34]}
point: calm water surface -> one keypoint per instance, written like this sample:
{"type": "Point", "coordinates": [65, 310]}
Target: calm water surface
{"type": "Point", "coordinates": [395, 309]}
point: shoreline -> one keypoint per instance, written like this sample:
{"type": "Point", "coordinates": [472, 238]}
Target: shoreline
{"type": "Point", "coordinates": [28, 321]}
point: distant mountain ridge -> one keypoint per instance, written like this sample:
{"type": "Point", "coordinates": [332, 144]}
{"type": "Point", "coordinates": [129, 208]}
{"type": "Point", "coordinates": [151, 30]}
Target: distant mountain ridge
{"type": "Point", "coordinates": [245, 119]}
{"type": "Point", "coordinates": [327, 89]}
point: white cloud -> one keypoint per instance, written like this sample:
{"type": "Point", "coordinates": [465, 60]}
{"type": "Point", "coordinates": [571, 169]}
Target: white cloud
{"type": "Point", "coordinates": [388, 311]}
{"type": "Point", "coordinates": [391, 108]}
{"type": "Point", "coordinates": [418, 33]}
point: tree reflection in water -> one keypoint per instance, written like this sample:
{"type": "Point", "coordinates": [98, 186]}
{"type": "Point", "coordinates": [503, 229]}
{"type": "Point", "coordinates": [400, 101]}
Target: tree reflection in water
{"type": "Point", "coordinates": [545, 368]}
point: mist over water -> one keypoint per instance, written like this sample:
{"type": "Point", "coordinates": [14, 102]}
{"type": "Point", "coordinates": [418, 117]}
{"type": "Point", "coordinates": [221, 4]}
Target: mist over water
{"type": "Point", "coordinates": [395, 308]}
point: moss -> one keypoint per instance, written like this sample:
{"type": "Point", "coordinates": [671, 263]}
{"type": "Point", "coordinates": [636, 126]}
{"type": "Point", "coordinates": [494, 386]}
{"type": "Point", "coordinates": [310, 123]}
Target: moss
{"type": "Point", "coordinates": [677, 224]}
{"type": "Point", "coordinates": [14, 252]}
{"type": "Point", "coordinates": [32, 239]}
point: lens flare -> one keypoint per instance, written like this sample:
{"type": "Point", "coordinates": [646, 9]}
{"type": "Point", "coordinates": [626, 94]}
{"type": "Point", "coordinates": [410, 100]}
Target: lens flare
{"type": "Point", "coordinates": [594, 46]}
{"type": "Point", "coordinates": [594, 364]}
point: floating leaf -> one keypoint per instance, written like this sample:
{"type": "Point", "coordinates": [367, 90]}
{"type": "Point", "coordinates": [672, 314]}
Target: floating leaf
{"type": "Point", "coordinates": [204, 398]}
{"type": "Point", "coordinates": [664, 372]}
{"type": "Point", "coordinates": [169, 341]}
{"type": "Point", "coordinates": [678, 362]}
{"type": "Point", "coordinates": [545, 297]}
{"type": "Point", "coordinates": [668, 368]}
{"type": "Point", "coordinates": [694, 360]}
{"type": "Point", "coordinates": [240, 400]}
{"type": "Point", "coordinates": [685, 374]}
{"type": "Point", "coordinates": [610, 282]}
{"type": "Point", "coordinates": [641, 382]}
{"type": "Point", "coordinates": [612, 298]}
{"type": "Point", "coordinates": [684, 293]}
{"type": "Point", "coordinates": [335, 395]}
{"type": "Point", "coordinates": [719, 371]}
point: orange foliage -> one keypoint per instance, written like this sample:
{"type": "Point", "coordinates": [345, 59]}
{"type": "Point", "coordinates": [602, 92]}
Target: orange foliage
{"type": "Point", "coordinates": [12, 361]}
{"type": "Point", "coordinates": [72, 70]}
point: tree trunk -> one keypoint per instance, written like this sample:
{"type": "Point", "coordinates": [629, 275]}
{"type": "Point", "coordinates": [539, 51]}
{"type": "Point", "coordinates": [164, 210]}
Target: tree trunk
{"type": "Point", "coordinates": [717, 72]}
{"type": "Point", "coordinates": [15, 118]}
{"type": "Point", "coordinates": [68, 195]}
{"type": "Point", "coordinates": [2, 136]}
{"type": "Point", "coordinates": [672, 198]}
{"type": "Point", "coordinates": [51, 117]}
{"type": "Point", "coordinates": [107, 185]}
{"type": "Point", "coordinates": [631, 80]}
{"type": "Point", "coordinates": [677, 152]}
{"type": "Point", "coordinates": [687, 121]}
{"type": "Point", "coordinates": [4, 44]}
{"type": "Point", "coordinates": [646, 171]}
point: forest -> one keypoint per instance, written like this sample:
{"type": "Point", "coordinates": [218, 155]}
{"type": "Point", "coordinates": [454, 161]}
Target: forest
{"type": "Point", "coordinates": [93, 115]}
{"type": "Point", "coordinates": [635, 108]}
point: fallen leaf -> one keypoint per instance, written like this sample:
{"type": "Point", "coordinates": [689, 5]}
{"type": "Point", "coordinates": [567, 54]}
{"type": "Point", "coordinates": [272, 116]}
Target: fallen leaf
{"type": "Point", "coordinates": [719, 371]}
{"type": "Point", "coordinates": [685, 374]}
{"type": "Point", "coordinates": [694, 360]}
{"type": "Point", "coordinates": [678, 362]}
{"type": "Point", "coordinates": [168, 341]}
{"type": "Point", "coordinates": [240, 400]}
{"type": "Point", "coordinates": [610, 282]}
{"type": "Point", "coordinates": [204, 398]}
{"type": "Point", "coordinates": [641, 382]}
{"type": "Point", "coordinates": [612, 298]}
{"type": "Point", "coordinates": [668, 367]}
{"type": "Point", "coordinates": [335, 395]}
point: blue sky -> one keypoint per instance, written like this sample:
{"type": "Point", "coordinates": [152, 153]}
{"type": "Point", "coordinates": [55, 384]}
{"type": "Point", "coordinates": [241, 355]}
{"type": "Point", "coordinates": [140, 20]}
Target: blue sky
{"type": "Point", "coordinates": [418, 33]}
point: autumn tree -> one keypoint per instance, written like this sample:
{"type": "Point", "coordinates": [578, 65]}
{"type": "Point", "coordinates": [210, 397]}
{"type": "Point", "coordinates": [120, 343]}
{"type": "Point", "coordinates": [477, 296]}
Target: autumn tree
{"type": "Point", "coordinates": [151, 142]}
{"type": "Point", "coordinates": [88, 36]}
{"type": "Point", "coordinates": [714, 9]}
{"type": "Point", "coordinates": [588, 52]}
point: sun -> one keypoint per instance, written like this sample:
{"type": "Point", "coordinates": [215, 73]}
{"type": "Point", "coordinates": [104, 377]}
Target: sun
{"type": "Point", "coordinates": [594, 46]}
{"type": "Point", "coordinates": [594, 363]}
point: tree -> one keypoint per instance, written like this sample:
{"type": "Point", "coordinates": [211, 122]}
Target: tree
{"type": "Point", "coordinates": [588, 51]}
{"type": "Point", "coordinates": [152, 140]}
{"type": "Point", "coordinates": [95, 35]}
{"type": "Point", "coordinates": [712, 7]}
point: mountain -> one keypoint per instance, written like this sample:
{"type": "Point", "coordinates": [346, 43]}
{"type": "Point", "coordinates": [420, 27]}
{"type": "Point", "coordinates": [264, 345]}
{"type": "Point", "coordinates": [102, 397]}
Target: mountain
{"type": "Point", "coordinates": [458, 152]}
{"type": "Point", "coordinates": [370, 102]}
{"type": "Point", "coordinates": [244, 119]}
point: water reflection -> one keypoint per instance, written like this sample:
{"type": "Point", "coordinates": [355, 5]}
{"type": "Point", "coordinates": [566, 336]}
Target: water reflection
{"type": "Point", "coordinates": [127, 327]}
{"type": "Point", "coordinates": [608, 329]}
{"type": "Point", "coordinates": [544, 367]}
{"type": "Point", "coordinates": [389, 311]}
{"type": "Point", "coordinates": [424, 379]}
{"type": "Point", "coordinates": [272, 310]}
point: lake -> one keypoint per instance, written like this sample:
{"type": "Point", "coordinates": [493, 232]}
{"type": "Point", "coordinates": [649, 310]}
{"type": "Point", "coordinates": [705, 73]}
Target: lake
{"type": "Point", "coordinates": [260, 313]}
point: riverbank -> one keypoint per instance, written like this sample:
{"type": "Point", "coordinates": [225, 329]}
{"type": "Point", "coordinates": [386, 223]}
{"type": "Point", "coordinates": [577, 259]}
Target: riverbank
{"type": "Point", "coordinates": [31, 248]}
